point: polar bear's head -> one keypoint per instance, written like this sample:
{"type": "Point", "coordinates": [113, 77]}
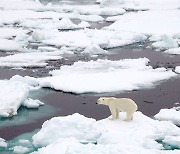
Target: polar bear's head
{"type": "Point", "coordinates": [102, 100]}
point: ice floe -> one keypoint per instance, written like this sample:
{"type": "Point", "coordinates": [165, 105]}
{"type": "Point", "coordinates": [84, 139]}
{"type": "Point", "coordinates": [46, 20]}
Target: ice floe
{"type": "Point", "coordinates": [172, 115]}
{"type": "Point", "coordinates": [165, 43]}
{"type": "Point", "coordinates": [142, 135]}
{"type": "Point", "coordinates": [83, 129]}
{"type": "Point", "coordinates": [20, 150]}
{"type": "Point", "coordinates": [17, 93]}
{"type": "Point", "coordinates": [30, 103]}
{"type": "Point", "coordinates": [8, 33]}
{"type": "Point", "coordinates": [31, 59]}
{"type": "Point", "coordinates": [17, 89]}
{"type": "Point", "coordinates": [9, 45]}
{"type": "Point", "coordinates": [63, 24]}
{"type": "Point", "coordinates": [150, 23]}
{"type": "Point", "coordinates": [174, 51]}
{"type": "Point", "coordinates": [87, 37]}
{"type": "Point", "coordinates": [3, 143]}
{"type": "Point", "coordinates": [177, 69]}
{"type": "Point", "coordinates": [105, 76]}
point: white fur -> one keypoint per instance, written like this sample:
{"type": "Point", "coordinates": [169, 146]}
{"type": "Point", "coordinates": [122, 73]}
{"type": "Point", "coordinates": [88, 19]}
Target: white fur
{"type": "Point", "coordinates": [117, 105]}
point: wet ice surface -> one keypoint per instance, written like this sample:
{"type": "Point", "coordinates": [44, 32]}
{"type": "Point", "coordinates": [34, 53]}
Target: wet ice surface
{"type": "Point", "coordinates": [43, 52]}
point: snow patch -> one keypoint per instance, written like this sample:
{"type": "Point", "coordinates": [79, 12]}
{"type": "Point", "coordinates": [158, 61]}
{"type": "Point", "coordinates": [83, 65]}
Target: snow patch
{"type": "Point", "coordinates": [83, 129]}
{"type": "Point", "coordinates": [17, 93]}
{"type": "Point", "coordinates": [30, 103]}
{"type": "Point", "coordinates": [174, 51]}
{"type": "Point", "coordinates": [105, 76]}
{"type": "Point", "coordinates": [3, 143]}
{"type": "Point", "coordinates": [169, 115]}
{"type": "Point", "coordinates": [117, 136]}
{"type": "Point", "coordinates": [177, 69]}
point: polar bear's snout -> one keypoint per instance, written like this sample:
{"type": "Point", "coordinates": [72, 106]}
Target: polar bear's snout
{"type": "Point", "coordinates": [100, 100]}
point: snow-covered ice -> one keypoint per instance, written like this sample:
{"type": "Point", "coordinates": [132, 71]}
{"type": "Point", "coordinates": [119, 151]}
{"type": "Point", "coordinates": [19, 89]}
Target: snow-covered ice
{"type": "Point", "coordinates": [165, 43]}
{"type": "Point", "coordinates": [9, 45]}
{"type": "Point", "coordinates": [30, 103]}
{"type": "Point", "coordinates": [177, 69]}
{"type": "Point", "coordinates": [29, 59]}
{"type": "Point", "coordinates": [3, 143]}
{"type": "Point", "coordinates": [139, 136]}
{"type": "Point", "coordinates": [111, 76]}
{"type": "Point", "coordinates": [174, 51]}
{"type": "Point", "coordinates": [169, 115]}
{"type": "Point", "coordinates": [17, 89]}
{"type": "Point", "coordinates": [87, 37]}
{"type": "Point", "coordinates": [20, 150]}
{"type": "Point", "coordinates": [83, 129]}
{"type": "Point", "coordinates": [163, 23]}
{"type": "Point", "coordinates": [63, 24]}
{"type": "Point", "coordinates": [17, 93]}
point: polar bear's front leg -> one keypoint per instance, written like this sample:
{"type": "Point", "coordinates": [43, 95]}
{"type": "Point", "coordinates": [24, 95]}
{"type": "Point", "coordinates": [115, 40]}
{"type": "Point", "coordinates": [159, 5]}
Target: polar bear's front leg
{"type": "Point", "coordinates": [113, 112]}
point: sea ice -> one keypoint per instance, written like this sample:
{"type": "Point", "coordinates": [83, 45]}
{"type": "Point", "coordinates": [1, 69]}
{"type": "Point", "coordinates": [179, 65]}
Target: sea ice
{"type": "Point", "coordinates": [17, 93]}
{"type": "Point", "coordinates": [177, 69]}
{"type": "Point", "coordinates": [105, 76]}
{"type": "Point", "coordinates": [137, 136]}
{"type": "Point", "coordinates": [8, 33]}
{"type": "Point", "coordinates": [9, 45]}
{"type": "Point", "coordinates": [20, 150]}
{"type": "Point", "coordinates": [30, 103]}
{"type": "Point", "coordinates": [174, 51]}
{"type": "Point", "coordinates": [31, 59]}
{"type": "Point", "coordinates": [3, 143]}
{"type": "Point", "coordinates": [83, 129]}
{"type": "Point", "coordinates": [165, 43]}
{"type": "Point", "coordinates": [169, 115]}
{"type": "Point", "coordinates": [87, 37]}
{"type": "Point", "coordinates": [150, 23]}
{"type": "Point", "coordinates": [63, 24]}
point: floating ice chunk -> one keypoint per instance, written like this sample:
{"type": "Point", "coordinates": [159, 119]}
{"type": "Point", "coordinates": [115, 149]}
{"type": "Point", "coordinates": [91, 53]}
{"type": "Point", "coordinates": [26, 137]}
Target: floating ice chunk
{"type": "Point", "coordinates": [33, 59]}
{"type": "Point", "coordinates": [149, 22]}
{"type": "Point", "coordinates": [166, 42]}
{"type": "Point", "coordinates": [84, 24]}
{"type": "Point", "coordinates": [76, 125]}
{"type": "Point", "coordinates": [94, 49]}
{"type": "Point", "coordinates": [169, 115]}
{"type": "Point", "coordinates": [173, 141]}
{"type": "Point", "coordinates": [20, 4]}
{"type": "Point", "coordinates": [174, 51]}
{"type": "Point", "coordinates": [24, 141]}
{"type": "Point", "coordinates": [27, 79]}
{"type": "Point", "coordinates": [66, 23]}
{"type": "Point", "coordinates": [87, 37]}
{"type": "Point", "coordinates": [3, 143]}
{"type": "Point", "coordinates": [177, 69]}
{"type": "Point", "coordinates": [118, 136]}
{"type": "Point", "coordinates": [9, 45]}
{"type": "Point", "coordinates": [30, 103]}
{"type": "Point", "coordinates": [44, 34]}
{"type": "Point", "coordinates": [11, 32]}
{"type": "Point", "coordinates": [47, 48]}
{"type": "Point", "coordinates": [105, 76]}
{"type": "Point", "coordinates": [17, 93]}
{"type": "Point", "coordinates": [20, 150]}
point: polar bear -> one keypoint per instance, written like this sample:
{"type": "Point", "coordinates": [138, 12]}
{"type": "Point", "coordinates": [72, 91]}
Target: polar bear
{"type": "Point", "coordinates": [117, 105]}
